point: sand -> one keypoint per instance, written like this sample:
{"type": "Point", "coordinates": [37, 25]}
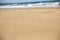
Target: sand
{"type": "Point", "coordinates": [30, 24]}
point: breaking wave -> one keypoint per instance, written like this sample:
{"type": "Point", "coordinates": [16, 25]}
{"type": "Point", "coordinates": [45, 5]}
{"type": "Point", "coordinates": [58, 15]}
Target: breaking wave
{"type": "Point", "coordinates": [29, 5]}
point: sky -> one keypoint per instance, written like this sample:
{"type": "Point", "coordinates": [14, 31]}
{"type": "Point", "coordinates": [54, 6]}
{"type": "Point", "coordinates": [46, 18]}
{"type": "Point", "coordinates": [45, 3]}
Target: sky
{"type": "Point", "coordinates": [11, 1]}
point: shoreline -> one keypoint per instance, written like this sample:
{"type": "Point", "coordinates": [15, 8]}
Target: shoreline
{"type": "Point", "coordinates": [29, 8]}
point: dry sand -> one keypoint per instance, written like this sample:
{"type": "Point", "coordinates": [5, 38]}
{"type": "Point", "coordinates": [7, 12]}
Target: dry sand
{"type": "Point", "coordinates": [30, 24]}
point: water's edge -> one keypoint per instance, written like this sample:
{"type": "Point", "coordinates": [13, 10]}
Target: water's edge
{"type": "Point", "coordinates": [34, 5]}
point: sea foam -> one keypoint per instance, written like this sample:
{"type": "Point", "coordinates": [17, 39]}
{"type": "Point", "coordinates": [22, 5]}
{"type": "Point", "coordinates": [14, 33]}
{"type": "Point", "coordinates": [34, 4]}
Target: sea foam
{"type": "Point", "coordinates": [40, 5]}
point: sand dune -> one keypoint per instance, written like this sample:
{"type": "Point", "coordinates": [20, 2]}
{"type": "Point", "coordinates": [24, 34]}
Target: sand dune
{"type": "Point", "coordinates": [30, 24]}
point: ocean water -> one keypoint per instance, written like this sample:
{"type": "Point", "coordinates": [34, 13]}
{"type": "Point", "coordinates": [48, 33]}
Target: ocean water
{"type": "Point", "coordinates": [30, 4]}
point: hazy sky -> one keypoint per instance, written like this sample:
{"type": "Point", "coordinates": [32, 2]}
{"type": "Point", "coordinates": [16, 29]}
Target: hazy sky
{"type": "Point", "coordinates": [10, 1]}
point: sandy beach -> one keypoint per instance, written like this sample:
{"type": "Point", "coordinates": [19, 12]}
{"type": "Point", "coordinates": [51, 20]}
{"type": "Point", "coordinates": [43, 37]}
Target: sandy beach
{"type": "Point", "coordinates": [30, 24]}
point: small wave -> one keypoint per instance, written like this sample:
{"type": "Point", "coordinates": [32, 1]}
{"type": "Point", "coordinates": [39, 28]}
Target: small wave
{"type": "Point", "coordinates": [53, 4]}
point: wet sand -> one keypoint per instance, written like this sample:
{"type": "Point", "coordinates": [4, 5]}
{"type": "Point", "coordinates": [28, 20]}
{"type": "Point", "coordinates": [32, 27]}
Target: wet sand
{"type": "Point", "coordinates": [30, 24]}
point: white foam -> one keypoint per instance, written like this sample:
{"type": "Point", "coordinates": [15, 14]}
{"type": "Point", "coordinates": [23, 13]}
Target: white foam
{"type": "Point", "coordinates": [56, 4]}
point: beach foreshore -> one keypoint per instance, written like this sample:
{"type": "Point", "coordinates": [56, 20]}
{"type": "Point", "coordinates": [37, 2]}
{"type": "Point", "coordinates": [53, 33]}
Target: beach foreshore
{"type": "Point", "coordinates": [30, 24]}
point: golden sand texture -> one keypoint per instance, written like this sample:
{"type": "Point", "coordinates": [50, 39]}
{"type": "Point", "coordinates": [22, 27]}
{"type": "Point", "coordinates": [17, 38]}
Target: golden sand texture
{"type": "Point", "coordinates": [30, 24]}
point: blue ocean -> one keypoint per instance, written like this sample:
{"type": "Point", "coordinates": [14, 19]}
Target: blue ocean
{"type": "Point", "coordinates": [29, 4]}
{"type": "Point", "coordinates": [1, 4]}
